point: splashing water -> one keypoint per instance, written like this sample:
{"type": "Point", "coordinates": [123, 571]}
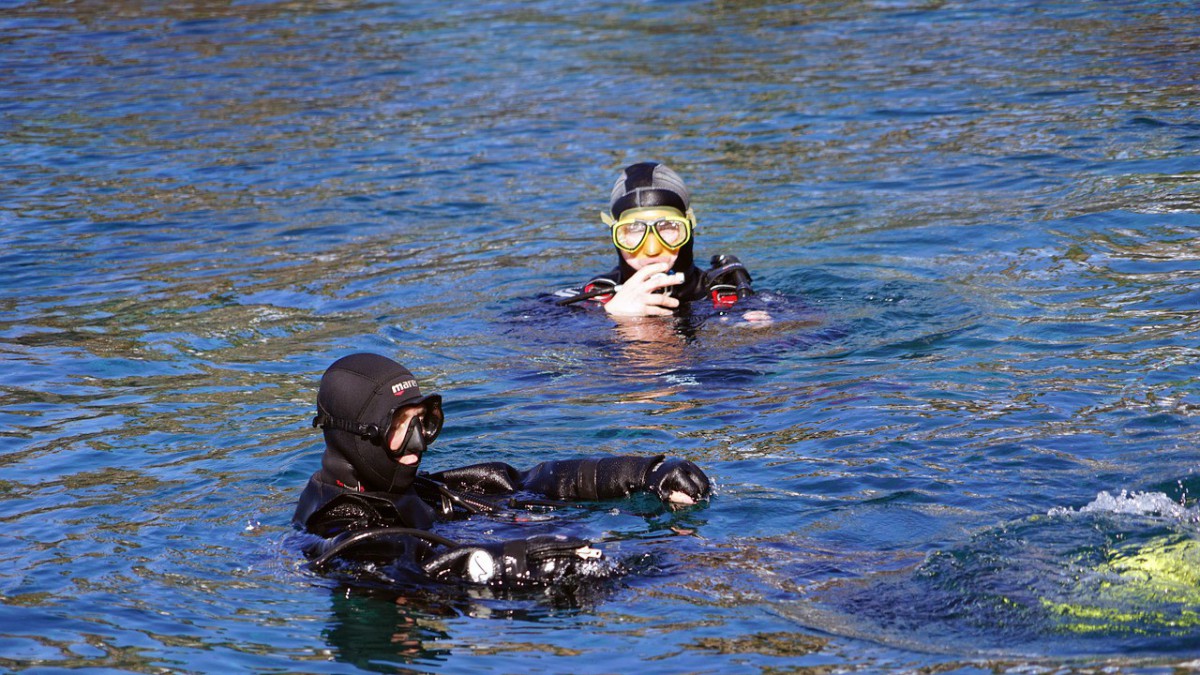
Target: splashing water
{"type": "Point", "coordinates": [1135, 503]}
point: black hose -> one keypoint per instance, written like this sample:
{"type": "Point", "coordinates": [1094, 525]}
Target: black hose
{"type": "Point", "coordinates": [609, 290]}
{"type": "Point", "coordinates": [323, 559]}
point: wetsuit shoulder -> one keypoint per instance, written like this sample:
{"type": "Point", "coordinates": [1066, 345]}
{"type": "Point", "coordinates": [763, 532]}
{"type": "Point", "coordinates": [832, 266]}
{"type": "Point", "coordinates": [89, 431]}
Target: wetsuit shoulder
{"type": "Point", "coordinates": [327, 509]}
{"type": "Point", "coordinates": [612, 276]}
{"type": "Point", "coordinates": [727, 281]}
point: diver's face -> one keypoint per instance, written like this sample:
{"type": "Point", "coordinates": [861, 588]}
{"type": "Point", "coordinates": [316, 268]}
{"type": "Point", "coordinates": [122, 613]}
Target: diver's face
{"type": "Point", "coordinates": [652, 250]}
{"type": "Point", "coordinates": [405, 417]}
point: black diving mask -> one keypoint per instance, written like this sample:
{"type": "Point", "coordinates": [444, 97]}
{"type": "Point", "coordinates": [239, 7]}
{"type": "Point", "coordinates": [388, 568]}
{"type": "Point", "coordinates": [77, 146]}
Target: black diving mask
{"type": "Point", "coordinates": [429, 423]}
{"type": "Point", "coordinates": [423, 428]}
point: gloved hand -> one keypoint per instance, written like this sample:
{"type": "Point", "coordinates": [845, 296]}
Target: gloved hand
{"type": "Point", "coordinates": [678, 481]}
{"type": "Point", "coordinates": [520, 562]}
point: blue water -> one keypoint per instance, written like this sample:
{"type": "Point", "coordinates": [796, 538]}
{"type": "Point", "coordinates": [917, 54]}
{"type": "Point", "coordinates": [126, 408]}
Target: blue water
{"type": "Point", "coordinates": [968, 443]}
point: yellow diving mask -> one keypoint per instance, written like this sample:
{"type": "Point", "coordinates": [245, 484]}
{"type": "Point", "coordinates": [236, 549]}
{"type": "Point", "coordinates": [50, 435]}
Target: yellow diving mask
{"type": "Point", "coordinates": [629, 234]}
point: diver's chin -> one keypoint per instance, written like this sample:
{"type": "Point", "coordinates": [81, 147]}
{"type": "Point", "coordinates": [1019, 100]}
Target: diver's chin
{"type": "Point", "coordinates": [408, 460]}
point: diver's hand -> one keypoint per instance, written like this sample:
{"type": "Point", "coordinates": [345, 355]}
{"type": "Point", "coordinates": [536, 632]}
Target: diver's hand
{"type": "Point", "coordinates": [637, 296]}
{"type": "Point", "coordinates": [758, 318]}
{"type": "Point", "coordinates": [678, 481]}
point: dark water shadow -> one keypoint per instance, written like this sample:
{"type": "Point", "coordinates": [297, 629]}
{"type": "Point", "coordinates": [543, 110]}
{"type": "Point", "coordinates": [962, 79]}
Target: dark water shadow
{"type": "Point", "coordinates": [1116, 578]}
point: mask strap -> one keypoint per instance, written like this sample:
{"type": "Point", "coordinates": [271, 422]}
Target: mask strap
{"type": "Point", "coordinates": [326, 421]}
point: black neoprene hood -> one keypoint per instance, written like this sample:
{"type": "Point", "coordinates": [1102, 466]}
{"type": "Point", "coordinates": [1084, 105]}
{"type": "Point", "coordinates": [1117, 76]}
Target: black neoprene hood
{"type": "Point", "coordinates": [645, 185]}
{"type": "Point", "coordinates": [357, 392]}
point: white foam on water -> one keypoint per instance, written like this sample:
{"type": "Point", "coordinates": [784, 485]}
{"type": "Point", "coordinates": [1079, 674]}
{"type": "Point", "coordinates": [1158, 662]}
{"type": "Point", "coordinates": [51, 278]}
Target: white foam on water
{"type": "Point", "coordinates": [1133, 503]}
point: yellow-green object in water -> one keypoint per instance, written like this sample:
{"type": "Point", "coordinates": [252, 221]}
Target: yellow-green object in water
{"type": "Point", "coordinates": [1151, 589]}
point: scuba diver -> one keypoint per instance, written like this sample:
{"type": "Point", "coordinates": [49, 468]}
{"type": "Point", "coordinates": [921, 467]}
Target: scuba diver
{"type": "Point", "coordinates": [652, 226]}
{"type": "Point", "coordinates": [370, 503]}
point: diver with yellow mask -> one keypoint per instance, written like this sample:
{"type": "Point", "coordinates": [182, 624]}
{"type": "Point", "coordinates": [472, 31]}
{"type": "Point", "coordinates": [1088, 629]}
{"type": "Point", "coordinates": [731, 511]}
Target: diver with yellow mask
{"type": "Point", "coordinates": [652, 227]}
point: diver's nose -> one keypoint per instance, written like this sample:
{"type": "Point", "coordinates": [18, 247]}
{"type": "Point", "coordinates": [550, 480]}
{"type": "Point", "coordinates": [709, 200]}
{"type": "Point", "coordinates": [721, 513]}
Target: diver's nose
{"type": "Point", "coordinates": [651, 247]}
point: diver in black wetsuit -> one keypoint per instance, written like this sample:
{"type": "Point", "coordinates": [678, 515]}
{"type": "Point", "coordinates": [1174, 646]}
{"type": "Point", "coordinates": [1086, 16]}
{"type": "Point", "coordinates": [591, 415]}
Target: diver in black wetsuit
{"type": "Point", "coordinates": [652, 227]}
{"type": "Point", "coordinates": [368, 501]}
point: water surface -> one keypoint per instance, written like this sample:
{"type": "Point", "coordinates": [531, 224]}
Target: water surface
{"type": "Point", "coordinates": [967, 443]}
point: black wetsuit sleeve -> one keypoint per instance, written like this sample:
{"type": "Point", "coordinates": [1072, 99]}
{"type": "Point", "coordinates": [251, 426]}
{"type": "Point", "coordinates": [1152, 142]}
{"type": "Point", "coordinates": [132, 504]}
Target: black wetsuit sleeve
{"type": "Point", "coordinates": [595, 478]}
{"type": "Point", "coordinates": [591, 478]}
{"type": "Point", "coordinates": [491, 478]}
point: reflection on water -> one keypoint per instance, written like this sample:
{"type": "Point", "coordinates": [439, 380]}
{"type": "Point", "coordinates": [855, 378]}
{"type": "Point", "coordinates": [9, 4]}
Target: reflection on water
{"type": "Point", "coordinates": [383, 630]}
{"type": "Point", "coordinates": [648, 345]}
{"type": "Point", "coordinates": [372, 629]}
{"type": "Point", "coordinates": [972, 224]}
